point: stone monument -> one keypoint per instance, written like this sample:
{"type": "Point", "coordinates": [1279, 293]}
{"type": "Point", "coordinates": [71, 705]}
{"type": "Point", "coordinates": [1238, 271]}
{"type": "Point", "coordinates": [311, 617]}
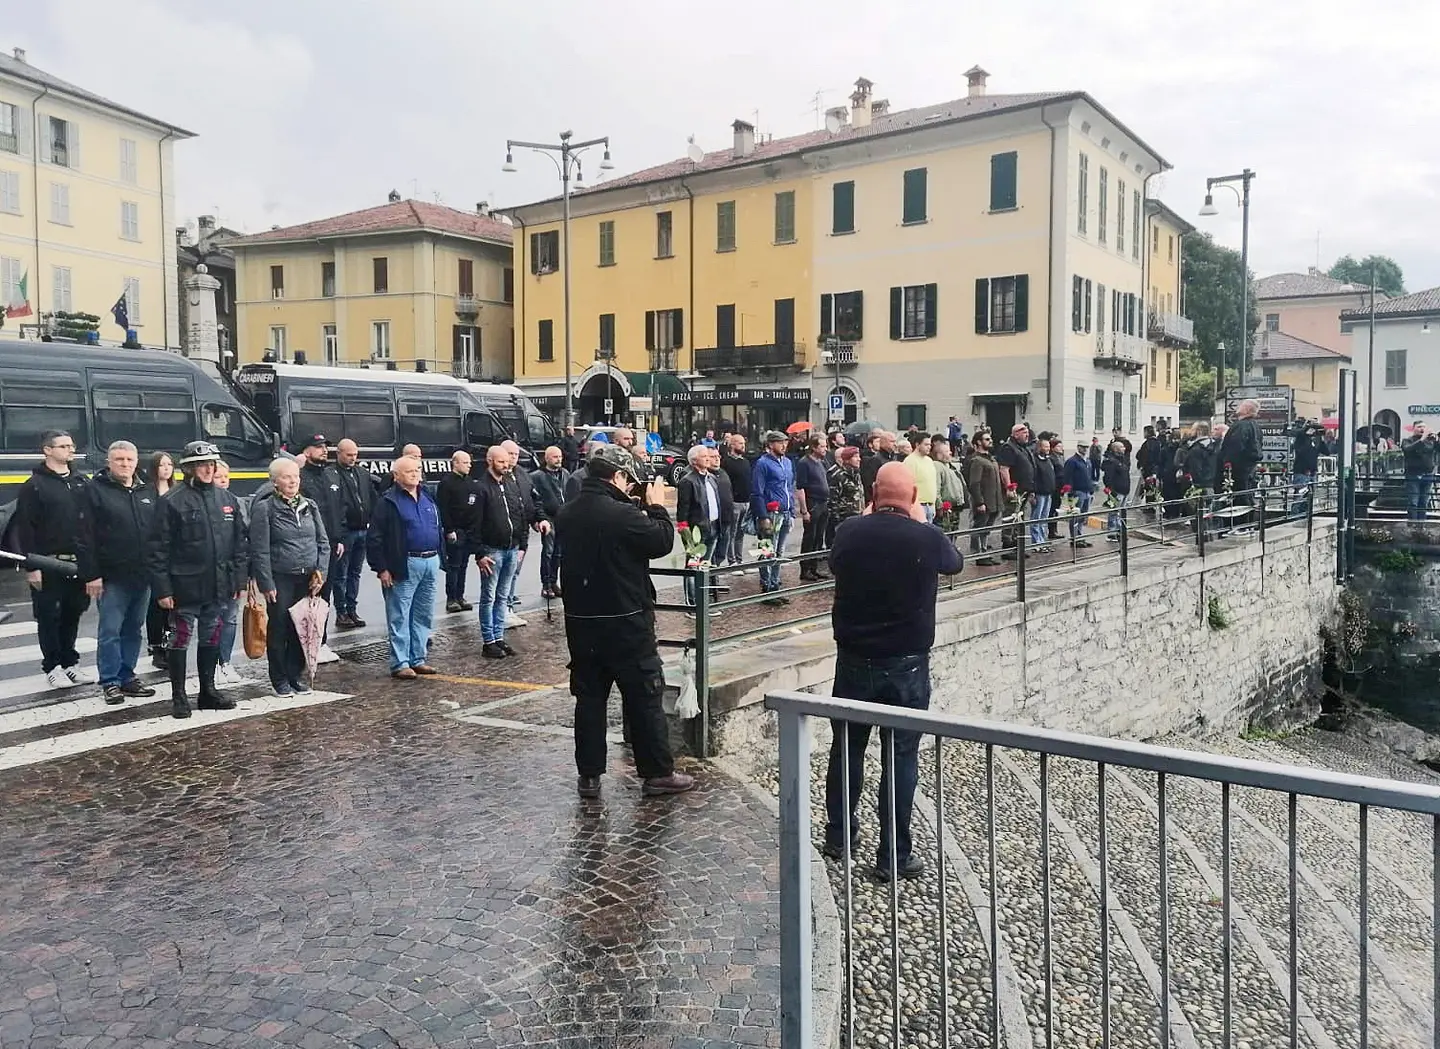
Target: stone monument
{"type": "Point", "coordinates": [204, 334]}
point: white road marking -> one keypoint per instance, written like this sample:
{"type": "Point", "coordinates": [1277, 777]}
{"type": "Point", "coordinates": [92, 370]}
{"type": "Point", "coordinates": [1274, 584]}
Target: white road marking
{"type": "Point", "coordinates": [24, 754]}
{"type": "Point", "coordinates": [31, 653]}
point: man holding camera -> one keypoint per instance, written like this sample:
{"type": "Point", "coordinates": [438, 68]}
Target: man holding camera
{"type": "Point", "coordinates": [610, 533]}
{"type": "Point", "coordinates": [1419, 449]}
{"type": "Point", "coordinates": [1308, 449]}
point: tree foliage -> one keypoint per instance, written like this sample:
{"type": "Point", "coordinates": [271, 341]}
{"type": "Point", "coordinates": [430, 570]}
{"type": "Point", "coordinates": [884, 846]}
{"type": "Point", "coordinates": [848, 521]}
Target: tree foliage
{"type": "Point", "coordinates": [1197, 384]}
{"type": "Point", "coordinates": [1389, 278]}
{"type": "Point", "coordinates": [1212, 297]}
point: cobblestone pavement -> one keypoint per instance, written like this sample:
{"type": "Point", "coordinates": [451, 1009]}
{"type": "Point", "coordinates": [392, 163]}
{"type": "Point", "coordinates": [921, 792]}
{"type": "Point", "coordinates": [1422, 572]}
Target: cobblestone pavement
{"type": "Point", "coordinates": [380, 871]}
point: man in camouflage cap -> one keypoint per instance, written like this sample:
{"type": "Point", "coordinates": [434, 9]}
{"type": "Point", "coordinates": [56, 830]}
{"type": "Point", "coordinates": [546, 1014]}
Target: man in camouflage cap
{"type": "Point", "coordinates": [610, 537]}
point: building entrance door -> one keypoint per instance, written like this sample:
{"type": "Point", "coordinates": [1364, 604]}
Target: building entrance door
{"type": "Point", "coordinates": [1000, 417]}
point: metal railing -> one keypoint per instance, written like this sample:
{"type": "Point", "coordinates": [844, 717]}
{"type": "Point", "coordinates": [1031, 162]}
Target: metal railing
{"type": "Point", "coordinates": [1129, 529]}
{"type": "Point", "coordinates": [768, 355]}
{"type": "Point", "coordinates": [1171, 327]}
{"type": "Point", "coordinates": [1111, 759]}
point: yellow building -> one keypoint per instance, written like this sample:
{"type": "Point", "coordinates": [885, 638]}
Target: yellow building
{"type": "Point", "coordinates": [415, 283]}
{"type": "Point", "coordinates": [1312, 371]}
{"type": "Point", "coordinates": [980, 258]}
{"type": "Point", "coordinates": [1168, 329]}
{"type": "Point", "coordinates": [87, 208]}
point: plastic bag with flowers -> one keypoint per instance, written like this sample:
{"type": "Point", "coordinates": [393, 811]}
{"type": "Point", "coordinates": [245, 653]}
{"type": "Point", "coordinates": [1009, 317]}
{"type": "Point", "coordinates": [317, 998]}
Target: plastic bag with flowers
{"type": "Point", "coordinates": [765, 533]}
{"type": "Point", "coordinates": [1012, 520]}
{"type": "Point", "coordinates": [1069, 502]}
{"type": "Point", "coordinates": [1150, 490]}
{"type": "Point", "coordinates": [693, 543]}
{"type": "Point", "coordinates": [1111, 500]}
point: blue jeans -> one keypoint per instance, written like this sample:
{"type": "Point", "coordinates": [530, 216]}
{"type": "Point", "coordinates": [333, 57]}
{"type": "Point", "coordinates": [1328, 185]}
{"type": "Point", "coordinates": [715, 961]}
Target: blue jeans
{"type": "Point", "coordinates": [549, 560]}
{"type": "Point", "coordinates": [1300, 499]}
{"type": "Point", "coordinates": [900, 681]}
{"type": "Point", "coordinates": [770, 573]}
{"type": "Point", "coordinates": [229, 627]}
{"type": "Point", "coordinates": [1417, 497]}
{"type": "Point", "coordinates": [345, 582]}
{"type": "Point", "coordinates": [495, 591]}
{"type": "Point", "coordinates": [410, 612]}
{"type": "Point", "coordinates": [122, 608]}
{"type": "Point", "coordinates": [1112, 524]}
{"type": "Point", "coordinates": [711, 555]}
{"type": "Point", "coordinates": [1041, 510]}
{"type": "Point", "coordinates": [1082, 511]}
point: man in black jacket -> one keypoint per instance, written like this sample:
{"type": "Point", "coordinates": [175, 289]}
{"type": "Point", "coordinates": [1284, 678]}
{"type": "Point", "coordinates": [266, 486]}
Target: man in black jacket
{"type": "Point", "coordinates": [358, 493]}
{"type": "Point", "coordinates": [456, 496]}
{"type": "Point", "coordinates": [738, 469]}
{"type": "Point", "coordinates": [321, 485]}
{"type": "Point", "coordinates": [48, 515]}
{"type": "Point", "coordinates": [704, 500]}
{"type": "Point", "coordinates": [1240, 451]}
{"type": "Point", "coordinates": [117, 513]}
{"type": "Point", "coordinates": [609, 542]}
{"type": "Point", "coordinates": [198, 558]}
{"type": "Point", "coordinates": [548, 485]}
{"type": "Point", "coordinates": [500, 524]}
{"type": "Point", "coordinates": [879, 450]}
{"type": "Point", "coordinates": [1420, 458]}
{"type": "Point", "coordinates": [570, 449]}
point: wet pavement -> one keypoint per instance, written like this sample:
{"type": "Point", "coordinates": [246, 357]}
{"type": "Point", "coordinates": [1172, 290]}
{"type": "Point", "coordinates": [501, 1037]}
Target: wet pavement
{"type": "Point", "coordinates": [393, 865]}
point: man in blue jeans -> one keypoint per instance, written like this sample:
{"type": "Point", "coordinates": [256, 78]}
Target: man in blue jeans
{"type": "Point", "coordinates": [887, 565]}
{"type": "Point", "coordinates": [1420, 457]}
{"type": "Point", "coordinates": [116, 517]}
{"type": "Point", "coordinates": [499, 524]}
{"type": "Point", "coordinates": [772, 499]}
{"type": "Point", "coordinates": [403, 547]}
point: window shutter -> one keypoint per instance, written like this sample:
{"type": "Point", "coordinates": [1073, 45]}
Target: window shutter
{"type": "Point", "coordinates": [1002, 181]}
{"type": "Point", "coordinates": [649, 329]}
{"type": "Point", "coordinates": [843, 219]}
{"type": "Point", "coordinates": [1076, 303]}
{"type": "Point", "coordinates": [24, 131]}
{"type": "Point", "coordinates": [932, 305]}
{"type": "Point", "coordinates": [679, 329]}
{"type": "Point", "coordinates": [72, 143]}
{"type": "Point", "coordinates": [859, 314]}
{"type": "Point", "coordinates": [1022, 302]}
{"type": "Point", "coordinates": [534, 253]}
{"type": "Point", "coordinates": [1089, 288]}
{"type": "Point", "coordinates": [897, 310]}
{"type": "Point", "coordinates": [1100, 309]}
{"type": "Point", "coordinates": [982, 306]}
{"type": "Point", "coordinates": [827, 321]}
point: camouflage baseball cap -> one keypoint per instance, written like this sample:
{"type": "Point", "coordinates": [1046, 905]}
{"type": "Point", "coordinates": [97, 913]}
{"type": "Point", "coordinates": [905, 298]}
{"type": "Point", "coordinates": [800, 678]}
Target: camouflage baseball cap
{"type": "Point", "coordinates": [614, 456]}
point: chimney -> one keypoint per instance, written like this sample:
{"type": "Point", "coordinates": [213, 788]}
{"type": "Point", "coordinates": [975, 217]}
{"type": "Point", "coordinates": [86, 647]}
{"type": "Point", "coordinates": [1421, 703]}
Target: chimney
{"type": "Point", "coordinates": [19, 54]}
{"type": "Point", "coordinates": [206, 222]}
{"type": "Point", "coordinates": [483, 208]}
{"type": "Point", "coordinates": [879, 107]}
{"type": "Point", "coordinates": [860, 103]}
{"type": "Point", "coordinates": [394, 196]}
{"type": "Point", "coordinates": [744, 138]}
{"type": "Point", "coordinates": [976, 77]}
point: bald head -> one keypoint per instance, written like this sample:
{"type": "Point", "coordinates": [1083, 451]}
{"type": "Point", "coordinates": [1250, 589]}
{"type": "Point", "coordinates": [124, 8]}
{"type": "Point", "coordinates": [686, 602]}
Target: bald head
{"type": "Point", "coordinates": [498, 460]}
{"type": "Point", "coordinates": [460, 463]}
{"type": "Point", "coordinates": [895, 486]}
{"type": "Point", "coordinates": [346, 452]}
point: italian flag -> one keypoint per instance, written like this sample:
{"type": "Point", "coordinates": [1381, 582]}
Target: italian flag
{"type": "Point", "coordinates": [21, 308]}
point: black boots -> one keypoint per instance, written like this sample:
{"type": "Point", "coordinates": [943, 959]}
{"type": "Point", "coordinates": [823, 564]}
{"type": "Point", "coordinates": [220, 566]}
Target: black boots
{"type": "Point", "coordinates": [179, 704]}
{"type": "Point", "coordinates": [207, 659]}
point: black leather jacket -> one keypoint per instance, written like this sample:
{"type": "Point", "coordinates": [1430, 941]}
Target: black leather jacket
{"type": "Point", "coordinates": [197, 550]}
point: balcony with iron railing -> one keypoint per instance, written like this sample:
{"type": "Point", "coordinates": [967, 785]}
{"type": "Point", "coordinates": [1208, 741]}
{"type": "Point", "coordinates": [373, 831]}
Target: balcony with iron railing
{"type": "Point", "coordinates": [665, 360]}
{"type": "Point", "coordinates": [1115, 349]}
{"type": "Point", "coordinates": [467, 305]}
{"type": "Point", "coordinates": [9, 142]}
{"type": "Point", "coordinates": [740, 358]}
{"type": "Point", "coordinates": [1171, 329]}
{"type": "Point", "coordinates": [838, 350]}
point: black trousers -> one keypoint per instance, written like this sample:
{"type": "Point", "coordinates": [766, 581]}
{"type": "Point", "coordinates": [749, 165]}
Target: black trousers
{"type": "Point", "coordinates": [620, 651]}
{"type": "Point", "coordinates": [58, 604]}
{"type": "Point", "coordinates": [157, 621]}
{"type": "Point", "coordinates": [812, 539]}
{"type": "Point", "coordinates": [283, 654]}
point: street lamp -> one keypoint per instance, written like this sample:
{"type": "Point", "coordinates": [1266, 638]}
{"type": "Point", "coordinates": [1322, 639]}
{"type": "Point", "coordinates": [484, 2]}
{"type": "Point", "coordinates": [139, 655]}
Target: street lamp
{"type": "Point", "coordinates": [565, 155]}
{"type": "Point", "coordinates": [1208, 209]}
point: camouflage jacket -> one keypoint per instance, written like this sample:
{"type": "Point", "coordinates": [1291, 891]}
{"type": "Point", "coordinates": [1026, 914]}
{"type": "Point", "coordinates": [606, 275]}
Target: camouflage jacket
{"type": "Point", "coordinates": [847, 492]}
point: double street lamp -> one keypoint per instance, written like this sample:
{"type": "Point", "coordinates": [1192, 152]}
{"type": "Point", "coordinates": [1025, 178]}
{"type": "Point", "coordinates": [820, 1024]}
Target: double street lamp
{"type": "Point", "coordinates": [1207, 209]}
{"type": "Point", "coordinates": [565, 155]}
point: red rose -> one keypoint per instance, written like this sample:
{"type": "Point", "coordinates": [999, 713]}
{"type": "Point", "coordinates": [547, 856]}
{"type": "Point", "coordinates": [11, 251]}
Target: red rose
{"type": "Point", "coordinates": [1065, 490]}
{"type": "Point", "coordinates": [772, 506]}
{"type": "Point", "coordinates": [1189, 478]}
{"type": "Point", "coordinates": [945, 506]}
{"type": "Point", "coordinates": [1012, 486]}
{"type": "Point", "coordinates": [1227, 466]}
{"type": "Point", "coordinates": [681, 526]}
{"type": "Point", "coordinates": [1107, 491]}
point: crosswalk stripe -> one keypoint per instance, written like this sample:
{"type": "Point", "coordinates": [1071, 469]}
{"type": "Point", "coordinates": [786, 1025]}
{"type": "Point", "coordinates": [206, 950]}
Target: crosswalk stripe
{"type": "Point", "coordinates": [23, 754]}
{"type": "Point", "coordinates": [31, 653]}
{"type": "Point", "coordinates": [17, 629]}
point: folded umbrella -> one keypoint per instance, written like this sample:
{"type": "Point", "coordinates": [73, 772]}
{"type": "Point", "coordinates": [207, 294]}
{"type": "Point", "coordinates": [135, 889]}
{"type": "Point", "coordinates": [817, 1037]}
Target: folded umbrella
{"type": "Point", "coordinates": [310, 614]}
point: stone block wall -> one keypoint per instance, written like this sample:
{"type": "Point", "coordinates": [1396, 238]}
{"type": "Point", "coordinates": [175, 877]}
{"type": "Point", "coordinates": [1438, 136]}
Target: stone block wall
{"type": "Point", "coordinates": [1091, 651]}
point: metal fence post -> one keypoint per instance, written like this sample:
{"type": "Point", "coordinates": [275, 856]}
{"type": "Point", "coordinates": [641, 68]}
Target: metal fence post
{"type": "Point", "coordinates": [702, 655]}
{"type": "Point", "coordinates": [1124, 544]}
{"type": "Point", "coordinates": [795, 932]}
{"type": "Point", "coordinates": [1261, 493]}
{"type": "Point", "coordinates": [1200, 525]}
{"type": "Point", "coordinates": [1020, 562]}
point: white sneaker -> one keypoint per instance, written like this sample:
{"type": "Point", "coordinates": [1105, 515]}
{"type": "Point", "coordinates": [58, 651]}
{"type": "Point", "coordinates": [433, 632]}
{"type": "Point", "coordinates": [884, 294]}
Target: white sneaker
{"type": "Point", "coordinates": [326, 655]}
{"type": "Point", "coordinates": [511, 619]}
{"type": "Point", "coordinates": [226, 676]}
{"type": "Point", "coordinates": [77, 676]}
{"type": "Point", "coordinates": [57, 678]}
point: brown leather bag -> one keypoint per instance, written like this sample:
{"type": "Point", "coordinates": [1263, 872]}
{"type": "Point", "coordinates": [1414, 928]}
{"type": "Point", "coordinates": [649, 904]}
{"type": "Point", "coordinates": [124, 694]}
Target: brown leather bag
{"type": "Point", "coordinates": [254, 623]}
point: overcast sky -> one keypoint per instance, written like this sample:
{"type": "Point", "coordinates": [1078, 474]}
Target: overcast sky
{"type": "Point", "coordinates": [306, 108]}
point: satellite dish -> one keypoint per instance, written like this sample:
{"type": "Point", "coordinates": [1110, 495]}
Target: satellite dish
{"type": "Point", "coordinates": [832, 122]}
{"type": "Point", "coordinates": [695, 153]}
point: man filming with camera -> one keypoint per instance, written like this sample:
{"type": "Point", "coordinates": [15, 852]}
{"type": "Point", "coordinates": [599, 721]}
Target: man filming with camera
{"type": "Point", "coordinates": [610, 533]}
{"type": "Point", "coordinates": [1309, 446]}
{"type": "Point", "coordinates": [1420, 458]}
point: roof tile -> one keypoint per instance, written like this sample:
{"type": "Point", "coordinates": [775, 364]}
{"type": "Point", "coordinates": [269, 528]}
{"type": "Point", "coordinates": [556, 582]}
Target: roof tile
{"type": "Point", "coordinates": [1277, 346]}
{"type": "Point", "coordinates": [396, 217]}
{"type": "Point", "coordinates": [10, 66]}
{"type": "Point", "coordinates": [1294, 285]}
{"type": "Point", "coordinates": [1427, 301]}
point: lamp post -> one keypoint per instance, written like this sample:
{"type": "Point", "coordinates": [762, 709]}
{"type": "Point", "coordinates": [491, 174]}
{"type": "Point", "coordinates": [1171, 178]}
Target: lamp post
{"type": "Point", "coordinates": [568, 154]}
{"type": "Point", "coordinates": [1370, 383]}
{"type": "Point", "coordinates": [1242, 196]}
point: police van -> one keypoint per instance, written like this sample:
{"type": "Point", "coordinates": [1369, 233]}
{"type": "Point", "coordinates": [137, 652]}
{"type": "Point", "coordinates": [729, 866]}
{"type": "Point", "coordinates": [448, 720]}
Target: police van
{"type": "Point", "coordinates": [158, 401]}
{"type": "Point", "coordinates": [382, 410]}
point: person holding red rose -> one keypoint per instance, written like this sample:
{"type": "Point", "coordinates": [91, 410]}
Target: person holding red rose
{"type": "Point", "coordinates": [987, 495]}
{"type": "Point", "coordinates": [772, 495]}
{"type": "Point", "coordinates": [1080, 480]}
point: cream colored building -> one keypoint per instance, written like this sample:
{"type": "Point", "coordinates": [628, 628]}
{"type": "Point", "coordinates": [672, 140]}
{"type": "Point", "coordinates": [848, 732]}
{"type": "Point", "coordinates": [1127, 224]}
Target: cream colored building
{"type": "Point", "coordinates": [87, 208]}
{"type": "Point", "coordinates": [1310, 370]}
{"type": "Point", "coordinates": [983, 258]}
{"type": "Point", "coordinates": [411, 282]}
{"type": "Point", "coordinates": [1308, 306]}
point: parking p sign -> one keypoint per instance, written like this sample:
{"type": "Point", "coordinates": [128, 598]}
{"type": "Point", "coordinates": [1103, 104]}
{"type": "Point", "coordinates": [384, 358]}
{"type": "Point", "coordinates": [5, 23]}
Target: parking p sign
{"type": "Point", "coordinates": [837, 406]}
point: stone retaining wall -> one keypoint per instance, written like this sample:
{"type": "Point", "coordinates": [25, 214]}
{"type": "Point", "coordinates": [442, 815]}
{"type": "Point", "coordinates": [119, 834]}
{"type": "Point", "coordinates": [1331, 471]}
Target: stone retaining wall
{"type": "Point", "coordinates": [1091, 651]}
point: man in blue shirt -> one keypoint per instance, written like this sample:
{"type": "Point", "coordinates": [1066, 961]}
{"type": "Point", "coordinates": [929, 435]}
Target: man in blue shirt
{"type": "Point", "coordinates": [772, 500]}
{"type": "Point", "coordinates": [403, 547]}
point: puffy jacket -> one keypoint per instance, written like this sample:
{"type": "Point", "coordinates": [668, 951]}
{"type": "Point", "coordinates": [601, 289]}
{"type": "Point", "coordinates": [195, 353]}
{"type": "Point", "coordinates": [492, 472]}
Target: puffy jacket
{"type": "Point", "coordinates": [116, 524]}
{"type": "Point", "coordinates": [1078, 475]}
{"type": "Point", "coordinates": [321, 485]}
{"type": "Point", "coordinates": [286, 540]}
{"type": "Point", "coordinates": [358, 494]}
{"type": "Point", "coordinates": [1115, 472]}
{"type": "Point", "coordinates": [48, 513]}
{"type": "Point", "coordinates": [500, 520]}
{"type": "Point", "coordinates": [609, 543]}
{"type": "Point", "coordinates": [549, 488]}
{"type": "Point", "coordinates": [197, 550]}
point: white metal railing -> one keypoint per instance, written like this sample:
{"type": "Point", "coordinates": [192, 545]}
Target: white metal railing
{"type": "Point", "coordinates": [1118, 344]}
{"type": "Point", "coordinates": [1172, 326]}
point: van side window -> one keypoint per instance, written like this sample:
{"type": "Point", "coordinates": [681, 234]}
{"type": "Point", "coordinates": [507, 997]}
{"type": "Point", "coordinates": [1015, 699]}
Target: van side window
{"type": "Point", "coordinates": [34, 402]}
{"type": "Point", "coordinates": [480, 430]}
{"type": "Point", "coordinates": [226, 426]}
{"type": "Point", "coordinates": [154, 420]}
{"type": "Point", "coordinates": [433, 425]}
{"type": "Point", "coordinates": [311, 415]}
{"type": "Point", "coordinates": [369, 422]}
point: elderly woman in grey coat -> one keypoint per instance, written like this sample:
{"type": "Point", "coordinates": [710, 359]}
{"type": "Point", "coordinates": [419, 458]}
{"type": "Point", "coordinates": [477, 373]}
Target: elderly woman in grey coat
{"type": "Point", "coordinates": [289, 554]}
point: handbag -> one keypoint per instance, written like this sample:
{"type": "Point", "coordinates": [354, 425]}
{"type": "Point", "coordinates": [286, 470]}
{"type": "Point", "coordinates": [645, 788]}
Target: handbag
{"type": "Point", "coordinates": [254, 623]}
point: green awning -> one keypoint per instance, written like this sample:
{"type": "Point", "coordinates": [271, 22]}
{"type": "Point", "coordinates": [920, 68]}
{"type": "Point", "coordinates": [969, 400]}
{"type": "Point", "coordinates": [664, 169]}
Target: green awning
{"type": "Point", "coordinates": [665, 382]}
